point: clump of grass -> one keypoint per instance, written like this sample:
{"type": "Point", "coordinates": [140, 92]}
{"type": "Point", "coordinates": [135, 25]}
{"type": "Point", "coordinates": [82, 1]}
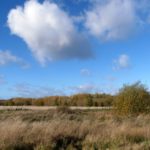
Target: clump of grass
{"type": "Point", "coordinates": [66, 142]}
{"type": "Point", "coordinates": [64, 110]}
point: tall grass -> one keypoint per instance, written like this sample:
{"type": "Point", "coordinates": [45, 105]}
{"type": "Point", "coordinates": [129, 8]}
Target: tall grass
{"type": "Point", "coordinates": [75, 130]}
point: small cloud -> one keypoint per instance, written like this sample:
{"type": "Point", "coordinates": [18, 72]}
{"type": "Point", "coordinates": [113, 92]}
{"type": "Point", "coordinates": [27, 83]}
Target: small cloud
{"type": "Point", "coordinates": [85, 72]}
{"type": "Point", "coordinates": [123, 62]}
{"type": "Point", "coordinates": [6, 57]}
{"type": "Point", "coordinates": [87, 88]}
{"type": "Point", "coordinates": [109, 88]}
{"type": "Point", "coordinates": [111, 78]}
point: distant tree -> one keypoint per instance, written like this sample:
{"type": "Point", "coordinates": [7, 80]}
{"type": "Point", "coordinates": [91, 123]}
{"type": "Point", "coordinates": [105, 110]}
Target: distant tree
{"type": "Point", "coordinates": [39, 102]}
{"type": "Point", "coordinates": [56, 103]}
{"type": "Point", "coordinates": [95, 103]}
{"type": "Point", "coordinates": [9, 103]}
{"type": "Point", "coordinates": [89, 100]}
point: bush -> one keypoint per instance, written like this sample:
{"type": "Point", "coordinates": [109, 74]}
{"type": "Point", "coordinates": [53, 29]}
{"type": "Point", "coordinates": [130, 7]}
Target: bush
{"type": "Point", "coordinates": [64, 110]}
{"type": "Point", "coordinates": [132, 99]}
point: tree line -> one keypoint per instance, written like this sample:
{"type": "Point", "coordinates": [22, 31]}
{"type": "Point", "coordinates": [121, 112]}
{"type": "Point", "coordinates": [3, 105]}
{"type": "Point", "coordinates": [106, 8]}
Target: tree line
{"type": "Point", "coordinates": [83, 99]}
{"type": "Point", "coordinates": [131, 99]}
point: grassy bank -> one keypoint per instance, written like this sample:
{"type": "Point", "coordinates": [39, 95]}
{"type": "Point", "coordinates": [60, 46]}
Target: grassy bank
{"type": "Point", "coordinates": [67, 129]}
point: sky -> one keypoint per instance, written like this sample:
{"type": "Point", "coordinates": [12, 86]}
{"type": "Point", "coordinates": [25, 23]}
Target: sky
{"type": "Point", "coordinates": [64, 47]}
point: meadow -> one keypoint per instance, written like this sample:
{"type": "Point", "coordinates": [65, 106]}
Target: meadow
{"type": "Point", "coordinates": [65, 129]}
{"type": "Point", "coordinates": [124, 126]}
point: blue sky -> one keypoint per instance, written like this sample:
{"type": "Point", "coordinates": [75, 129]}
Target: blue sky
{"type": "Point", "coordinates": [62, 47]}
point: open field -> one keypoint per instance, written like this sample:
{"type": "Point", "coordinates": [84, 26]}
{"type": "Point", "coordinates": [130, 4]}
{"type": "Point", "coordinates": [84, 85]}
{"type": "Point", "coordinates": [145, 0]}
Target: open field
{"type": "Point", "coordinates": [50, 108]}
{"type": "Point", "coordinates": [66, 129]}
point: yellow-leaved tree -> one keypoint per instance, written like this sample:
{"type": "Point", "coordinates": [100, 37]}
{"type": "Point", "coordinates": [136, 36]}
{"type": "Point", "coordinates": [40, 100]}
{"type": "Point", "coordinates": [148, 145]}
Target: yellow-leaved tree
{"type": "Point", "coordinates": [132, 99]}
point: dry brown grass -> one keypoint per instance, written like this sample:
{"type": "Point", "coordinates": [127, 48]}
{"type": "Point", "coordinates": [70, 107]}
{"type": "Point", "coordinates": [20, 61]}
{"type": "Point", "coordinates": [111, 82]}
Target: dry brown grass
{"type": "Point", "coordinates": [72, 130]}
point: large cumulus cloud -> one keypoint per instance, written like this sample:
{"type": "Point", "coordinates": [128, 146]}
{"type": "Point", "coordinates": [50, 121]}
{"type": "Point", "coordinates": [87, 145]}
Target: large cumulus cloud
{"type": "Point", "coordinates": [112, 19]}
{"type": "Point", "coordinates": [48, 31]}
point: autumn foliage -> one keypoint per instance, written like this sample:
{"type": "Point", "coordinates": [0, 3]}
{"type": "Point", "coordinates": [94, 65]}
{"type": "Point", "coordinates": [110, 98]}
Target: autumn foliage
{"type": "Point", "coordinates": [74, 100]}
{"type": "Point", "coordinates": [132, 99]}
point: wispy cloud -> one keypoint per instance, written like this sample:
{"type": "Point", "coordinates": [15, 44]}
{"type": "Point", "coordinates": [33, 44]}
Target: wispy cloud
{"type": "Point", "coordinates": [111, 78]}
{"type": "Point", "coordinates": [28, 90]}
{"type": "Point", "coordinates": [2, 80]}
{"type": "Point", "coordinates": [6, 58]}
{"type": "Point", "coordinates": [109, 88]}
{"type": "Point", "coordinates": [85, 72]}
{"type": "Point", "coordinates": [85, 88]}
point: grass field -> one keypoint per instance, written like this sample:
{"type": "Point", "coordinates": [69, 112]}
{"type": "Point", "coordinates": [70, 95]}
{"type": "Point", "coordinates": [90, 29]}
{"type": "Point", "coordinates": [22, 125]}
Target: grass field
{"type": "Point", "coordinates": [65, 129]}
{"type": "Point", "coordinates": [53, 108]}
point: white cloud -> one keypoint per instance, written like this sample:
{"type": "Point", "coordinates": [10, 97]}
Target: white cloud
{"type": "Point", "coordinates": [6, 57]}
{"type": "Point", "coordinates": [85, 72]}
{"type": "Point", "coordinates": [93, 88]}
{"type": "Point", "coordinates": [28, 90]}
{"type": "Point", "coordinates": [2, 79]}
{"type": "Point", "coordinates": [112, 19]}
{"type": "Point", "coordinates": [122, 62]}
{"type": "Point", "coordinates": [85, 88]}
{"type": "Point", "coordinates": [109, 88]}
{"type": "Point", "coordinates": [111, 78]}
{"type": "Point", "coordinates": [48, 31]}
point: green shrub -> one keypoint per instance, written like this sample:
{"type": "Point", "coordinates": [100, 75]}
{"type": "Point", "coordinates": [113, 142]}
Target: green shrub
{"type": "Point", "coordinates": [132, 99]}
